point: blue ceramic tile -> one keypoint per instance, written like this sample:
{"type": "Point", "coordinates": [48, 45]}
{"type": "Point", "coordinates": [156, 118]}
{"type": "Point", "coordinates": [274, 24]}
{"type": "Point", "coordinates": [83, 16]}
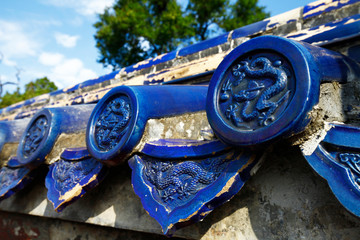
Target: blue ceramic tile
{"type": "Point", "coordinates": [178, 192]}
{"type": "Point", "coordinates": [250, 29]}
{"type": "Point", "coordinates": [75, 154]}
{"type": "Point", "coordinates": [13, 180]}
{"type": "Point", "coordinates": [25, 114]}
{"type": "Point", "coordinates": [189, 78]}
{"type": "Point", "coordinates": [118, 121]}
{"type": "Point", "coordinates": [197, 47]}
{"type": "Point", "coordinates": [29, 101]}
{"type": "Point", "coordinates": [264, 89]}
{"type": "Point", "coordinates": [73, 88]}
{"type": "Point", "coordinates": [337, 160]}
{"type": "Point", "coordinates": [179, 148]}
{"type": "Point", "coordinates": [99, 80]}
{"type": "Point", "coordinates": [153, 82]}
{"type": "Point", "coordinates": [151, 62]}
{"type": "Point", "coordinates": [57, 92]}
{"type": "Point", "coordinates": [11, 131]}
{"type": "Point", "coordinates": [335, 4]}
{"type": "Point", "coordinates": [334, 31]}
{"type": "Point", "coordinates": [44, 128]}
{"type": "Point", "coordinates": [70, 179]}
{"type": "Point", "coordinates": [14, 107]}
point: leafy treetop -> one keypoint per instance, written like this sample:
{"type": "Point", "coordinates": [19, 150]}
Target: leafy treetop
{"type": "Point", "coordinates": [134, 30]}
{"type": "Point", "coordinates": [32, 89]}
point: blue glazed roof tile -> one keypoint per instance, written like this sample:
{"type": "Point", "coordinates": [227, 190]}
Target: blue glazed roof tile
{"type": "Point", "coordinates": [250, 29]}
{"type": "Point", "coordinates": [151, 62]}
{"type": "Point", "coordinates": [197, 47]}
{"type": "Point", "coordinates": [319, 7]}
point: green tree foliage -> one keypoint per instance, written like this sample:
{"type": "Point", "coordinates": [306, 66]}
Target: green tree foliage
{"type": "Point", "coordinates": [32, 89]}
{"type": "Point", "coordinates": [243, 13]}
{"type": "Point", "coordinates": [134, 30]}
{"type": "Point", "coordinates": [205, 13]}
{"type": "Point", "coordinates": [123, 30]}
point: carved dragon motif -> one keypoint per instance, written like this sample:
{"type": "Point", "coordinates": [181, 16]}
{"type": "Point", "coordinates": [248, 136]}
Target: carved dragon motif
{"type": "Point", "coordinates": [67, 174]}
{"type": "Point", "coordinates": [260, 68]}
{"type": "Point", "coordinates": [178, 181]}
{"type": "Point", "coordinates": [352, 160]}
{"type": "Point", "coordinates": [35, 135]}
{"type": "Point", "coordinates": [112, 122]}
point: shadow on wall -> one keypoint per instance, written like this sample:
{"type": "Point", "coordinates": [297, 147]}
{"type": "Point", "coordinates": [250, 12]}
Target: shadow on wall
{"type": "Point", "coordinates": [285, 199]}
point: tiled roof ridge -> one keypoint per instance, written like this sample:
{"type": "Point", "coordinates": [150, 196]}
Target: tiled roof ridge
{"type": "Point", "coordinates": [309, 23]}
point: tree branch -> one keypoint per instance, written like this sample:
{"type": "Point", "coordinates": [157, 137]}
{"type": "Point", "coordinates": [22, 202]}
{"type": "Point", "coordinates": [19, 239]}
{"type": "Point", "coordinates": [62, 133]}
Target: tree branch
{"type": "Point", "coordinates": [18, 71]}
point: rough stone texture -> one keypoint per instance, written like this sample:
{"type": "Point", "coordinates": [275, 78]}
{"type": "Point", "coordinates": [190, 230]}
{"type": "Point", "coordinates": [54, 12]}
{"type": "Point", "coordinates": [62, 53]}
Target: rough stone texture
{"type": "Point", "coordinates": [285, 29]}
{"type": "Point", "coordinates": [64, 141]}
{"type": "Point", "coordinates": [329, 109]}
{"type": "Point", "coordinates": [331, 16]}
{"type": "Point", "coordinates": [24, 227]}
{"type": "Point", "coordinates": [284, 200]}
{"type": "Point", "coordinates": [186, 126]}
{"type": "Point", "coordinates": [8, 150]}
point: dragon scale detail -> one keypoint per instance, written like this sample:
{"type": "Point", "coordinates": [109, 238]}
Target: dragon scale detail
{"type": "Point", "coordinates": [178, 181]}
{"type": "Point", "coordinates": [67, 174]}
{"type": "Point", "coordinates": [35, 135]}
{"type": "Point", "coordinates": [257, 96]}
{"type": "Point", "coordinates": [112, 123]}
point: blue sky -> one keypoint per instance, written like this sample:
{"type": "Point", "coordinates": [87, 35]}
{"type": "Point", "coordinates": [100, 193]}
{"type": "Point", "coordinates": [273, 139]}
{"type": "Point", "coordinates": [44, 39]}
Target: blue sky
{"type": "Point", "coordinates": [54, 38]}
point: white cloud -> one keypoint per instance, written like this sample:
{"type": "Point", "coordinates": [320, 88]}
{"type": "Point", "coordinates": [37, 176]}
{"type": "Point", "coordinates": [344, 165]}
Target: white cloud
{"type": "Point", "coordinates": [63, 71]}
{"type": "Point", "coordinates": [8, 62]}
{"type": "Point", "coordinates": [21, 44]}
{"type": "Point", "coordinates": [66, 40]}
{"type": "Point", "coordinates": [15, 42]}
{"type": "Point", "coordinates": [69, 72]}
{"type": "Point", "coordinates": [84, 7]}
{"type": "Point", "coordinates": [50, 59]}
{"type": "Point", "coordinates": [94, 6]}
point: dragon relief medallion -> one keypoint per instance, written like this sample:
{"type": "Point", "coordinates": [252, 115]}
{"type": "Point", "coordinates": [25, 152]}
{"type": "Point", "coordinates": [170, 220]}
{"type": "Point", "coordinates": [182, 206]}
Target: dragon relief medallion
{"type": "Point", "coordinates": [176, 182]}
{"type": "Point", "coordinates": [256, 90]}
{"type": "Point", "coordinates": [112, 123]}
{"type": "Point", "coordinates": [35, 135]}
